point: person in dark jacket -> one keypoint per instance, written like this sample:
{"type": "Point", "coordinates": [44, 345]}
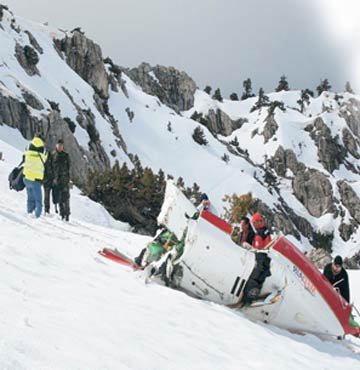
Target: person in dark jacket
{"type": "Point", "coordinates": [247, 232]}
{"type": "Point", "coordinates": [49, 186]}
{"type": "Point", "coordinates": [338, 277]}
{"type": "Point", "coordinates": [61, 168]}
{"type": "Point", "coordinates": [262, 234]}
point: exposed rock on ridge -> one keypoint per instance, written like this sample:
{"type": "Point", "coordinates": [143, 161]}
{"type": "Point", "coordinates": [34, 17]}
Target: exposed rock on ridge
{"type": "Point", "coordinates": [174, 88]}
{"type": "Point", "coordinates": [85, 58]}
{"type": "Point", "coordinates": [218, 122]}
{"type": "Point", "coordinates": [331, 154]}
{"type": "Point", "coordinates": [17, 115]}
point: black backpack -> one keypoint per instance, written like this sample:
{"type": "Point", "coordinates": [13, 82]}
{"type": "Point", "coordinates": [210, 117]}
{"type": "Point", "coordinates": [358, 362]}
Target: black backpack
{"type": "Point", "coordinates": [16, 179]}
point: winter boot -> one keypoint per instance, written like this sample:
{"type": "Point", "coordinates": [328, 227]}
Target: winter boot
{"type": "Point", "coordinates": [139, 258]}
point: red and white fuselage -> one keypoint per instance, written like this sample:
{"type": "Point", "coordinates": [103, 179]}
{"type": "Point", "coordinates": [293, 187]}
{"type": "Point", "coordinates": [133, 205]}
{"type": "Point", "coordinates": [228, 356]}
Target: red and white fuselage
{"type": "Point", "coordinates": [214, 268]}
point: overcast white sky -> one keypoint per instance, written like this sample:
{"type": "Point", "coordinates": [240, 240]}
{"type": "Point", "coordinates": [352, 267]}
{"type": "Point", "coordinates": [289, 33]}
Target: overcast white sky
{"type": "Point", "coordinates": [217, 42]}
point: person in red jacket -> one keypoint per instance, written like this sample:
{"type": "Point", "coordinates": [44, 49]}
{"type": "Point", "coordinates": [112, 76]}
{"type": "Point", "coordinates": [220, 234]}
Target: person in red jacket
{"type": "Point", "coordinates": [262, 233]}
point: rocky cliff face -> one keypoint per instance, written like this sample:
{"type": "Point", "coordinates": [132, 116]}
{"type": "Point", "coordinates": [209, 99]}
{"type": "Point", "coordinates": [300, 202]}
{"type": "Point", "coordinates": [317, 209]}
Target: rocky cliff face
{"type": "Point", "coordinates": [284, 160]}
{"type": "Point", "coordinates": [330, 152]}
{"type": "Point", "coordinates": [85, 58]}
{"type": "Point", "coordinates": [174, 88]}
{"type": "Point", "coordinates": [314, 191]}
{"type": "Point", "coordinates": [270, 128]}
{"type": "Point", "coordinates": [52, 126]}
{"type": "Point", "coordinates": [218, 122]}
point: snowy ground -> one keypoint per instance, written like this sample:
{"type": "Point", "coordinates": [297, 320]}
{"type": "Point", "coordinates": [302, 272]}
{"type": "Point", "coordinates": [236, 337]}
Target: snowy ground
{"type": "Point", "coordinates": [65, 307]}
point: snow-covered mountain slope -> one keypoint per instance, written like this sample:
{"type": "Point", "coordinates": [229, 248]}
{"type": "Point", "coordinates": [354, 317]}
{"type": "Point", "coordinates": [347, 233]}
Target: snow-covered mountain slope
{"type": "Point", "coordinates": [302, 167]}
{"type": "Point", "coordinates": [55, 81]}
{"type": "Point", "coordinates": [65, 307]}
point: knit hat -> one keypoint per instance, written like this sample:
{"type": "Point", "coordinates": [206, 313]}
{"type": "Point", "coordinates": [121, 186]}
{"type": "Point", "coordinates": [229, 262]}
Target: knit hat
{"type": "Point", "coordinates": [257, 217]}
{"type": "Point", "coordinates": [338, 261]}
{"type": "Point", "coordinates": [37, 142]}
{"type": "Point", "coordinates": [203, 196]}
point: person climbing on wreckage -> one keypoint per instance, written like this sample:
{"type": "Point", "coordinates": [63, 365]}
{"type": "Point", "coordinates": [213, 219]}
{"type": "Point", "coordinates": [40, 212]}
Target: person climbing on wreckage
{"type": "Point", "coordinates": [162, 243]}
{"type": "Point", "coordinates": [165, 240]}
{"type": "Point", "coordinates": [204, 205]}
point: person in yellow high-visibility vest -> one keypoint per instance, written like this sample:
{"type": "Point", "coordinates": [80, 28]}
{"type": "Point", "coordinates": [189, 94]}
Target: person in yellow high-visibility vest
{"type": "Point", "coordinates": [34, 160]}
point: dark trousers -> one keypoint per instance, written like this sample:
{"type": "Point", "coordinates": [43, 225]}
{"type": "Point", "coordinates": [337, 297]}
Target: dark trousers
{"type": "Point", "coordinates": [64, 200]}
{"type": "Point", "coordinates": [55, 197]}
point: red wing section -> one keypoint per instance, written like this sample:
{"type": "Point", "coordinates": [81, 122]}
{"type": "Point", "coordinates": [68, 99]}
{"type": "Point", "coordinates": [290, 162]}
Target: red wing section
{"type": "Point", "coordinates": [338, 305]}
{"type": "Point", "coordinates": [217, 221]}
{"type": "Point", "coordinates": [117, 257]}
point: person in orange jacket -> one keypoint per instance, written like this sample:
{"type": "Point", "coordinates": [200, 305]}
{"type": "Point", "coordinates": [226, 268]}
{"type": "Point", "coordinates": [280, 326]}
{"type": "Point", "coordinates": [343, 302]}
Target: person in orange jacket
{"type": "Point", "coordinates": [262, 233]}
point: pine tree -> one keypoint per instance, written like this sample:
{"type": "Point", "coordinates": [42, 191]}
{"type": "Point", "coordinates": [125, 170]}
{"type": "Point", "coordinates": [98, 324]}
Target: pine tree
{"type": "Point", "coordinates": [199, 136]}
{"type": "Point", "coordinates": [234, 97]}
{"type": "Point", "coordinates": [139, 171]}
{"type": "Point", "coordinates": [147, 189]}
{"type": "Point", "coordinates": [126, 195]}
{"type": "Point", "coordinates": [198, 117]}
{"type": "Point", "coordinates": [235, 142]}
{"type": "Point", "coordinates": [196, 193]}
{"type": "Point", "coordinates": [195, 116]}
{"type": "Point", "coordinates": [276, 104]}
{"type": "Point", "coordinates": [304, 99]}
{"type": "Point", "coordinates": [324, 86]}
{"type": "Point", "coordinates": [160, 188]}
{"type": "Point", "coordinates": [283, 84]}
{"type": "Point", "coordinates": [348, 88]}
{"type": "Point", "coordinates": [124, 180]}
{"type": "Point", "coordinates": [180, 183]}
{"type": "Point", "coordinates": [263, 101]}
{"type": "Point", "coordinates": [247, 90]}
{"type": "Point", "coordinates": [225, 158]}
{"type": "Point", "coordinates": [238, 206]}
{"type": "Point", "coordinates": [208, 89]}
{"type": "Point", "coordinates": [169, 128]}
{"type": "Point", "coordinates": [217, 95]}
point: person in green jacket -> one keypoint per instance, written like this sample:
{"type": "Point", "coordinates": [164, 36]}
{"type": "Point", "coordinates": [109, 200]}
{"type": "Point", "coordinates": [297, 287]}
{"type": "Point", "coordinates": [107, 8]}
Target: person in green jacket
{"type": "Point", "coordinates": [61, 170]}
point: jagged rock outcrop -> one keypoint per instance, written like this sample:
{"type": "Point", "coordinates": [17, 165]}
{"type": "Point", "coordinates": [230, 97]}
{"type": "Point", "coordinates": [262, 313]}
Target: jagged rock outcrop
{"type": "Point", "coordinates": [331, 154]}
{"type": "Point", "coordinates": [219, 122]}
{"type": "Point", "coordinates": [31, 100]}
{"type": "Point", "coordinates": [270, 128]}
{"type": "Point", "coordinates": [85, 58]}
{"type": "Point", "coordinates": [300, 223]}
{"type": "Point", "coordinates": [349, 199]}
{"type": "Point", "coordinates": [86, 119]}
{"type": "Point", "coordinates": [350, 111]}
{"type": "Point", "coordinates": [313, 189]}
{"type": "Point", "coordinates": [319, 257]}
{"type": "Point", "coordinates": [174, 88]}
{"type": "Point", "coordinates": [34, 42]}
{"type": "Point", "coordinates": [350, 143]}
{"type": "Point", "coordinates": [27, 58]}
{"type": "Point", "coordinates": [2, 8]}
{"type": "Point", "coordinates": [16, 114]}
{"type": "Point", "coordinates": [347, 230]}
{"type": "Point", "coordinates": [285, 159]}
{"type": "Point", "coordinates": [353, 263]}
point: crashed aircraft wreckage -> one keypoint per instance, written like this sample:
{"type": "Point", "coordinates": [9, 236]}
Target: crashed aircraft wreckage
{"type": "Point", "coordinates": [277, 285]}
